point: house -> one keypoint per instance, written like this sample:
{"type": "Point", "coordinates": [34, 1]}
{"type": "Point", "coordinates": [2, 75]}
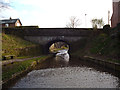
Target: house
{"type": "Point", "coordinates": [11, 22]}
{"type": "Point", "coordinates": [115, 19]}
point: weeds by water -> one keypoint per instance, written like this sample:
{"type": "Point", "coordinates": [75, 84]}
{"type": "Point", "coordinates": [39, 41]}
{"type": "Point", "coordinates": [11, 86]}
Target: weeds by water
{"type": "Point", "coordinates": [10, 69]}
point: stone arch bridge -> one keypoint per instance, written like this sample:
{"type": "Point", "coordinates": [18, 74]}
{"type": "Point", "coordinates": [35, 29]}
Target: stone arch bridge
{"type": "Point", "coordinates": [47, 36]}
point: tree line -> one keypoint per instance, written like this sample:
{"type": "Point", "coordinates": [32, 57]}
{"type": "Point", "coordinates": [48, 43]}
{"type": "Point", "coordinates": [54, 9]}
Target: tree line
{"type": "Point", "coordinates": [74, 22]}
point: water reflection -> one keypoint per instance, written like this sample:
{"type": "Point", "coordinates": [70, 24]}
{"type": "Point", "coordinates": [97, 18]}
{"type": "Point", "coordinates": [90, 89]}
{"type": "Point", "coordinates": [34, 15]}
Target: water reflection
{"type": "Point", "coordinates": [60, 72]}
{"type": "Point", "coordinates": [62, 55]}
{"type": "Point", "coordinates": [68, 77]}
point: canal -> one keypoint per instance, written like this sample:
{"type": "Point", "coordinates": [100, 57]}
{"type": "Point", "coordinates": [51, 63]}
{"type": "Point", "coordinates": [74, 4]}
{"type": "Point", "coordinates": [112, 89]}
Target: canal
{"type": "Point", "coordinates": [64, 72]}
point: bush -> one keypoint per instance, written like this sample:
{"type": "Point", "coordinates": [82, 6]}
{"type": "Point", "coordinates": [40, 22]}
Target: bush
{"type": "Point", "coordinates": [106, 29]}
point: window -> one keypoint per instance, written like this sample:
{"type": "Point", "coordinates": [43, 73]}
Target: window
{"type": "Point", "coordinates": [18, 24]}
{"type": "Point", "coordinates": [6, 25]}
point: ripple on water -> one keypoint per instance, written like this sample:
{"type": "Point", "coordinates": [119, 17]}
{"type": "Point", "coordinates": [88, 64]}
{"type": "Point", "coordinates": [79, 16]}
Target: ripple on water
{"type": "Point", "coordinates": [68, 77]}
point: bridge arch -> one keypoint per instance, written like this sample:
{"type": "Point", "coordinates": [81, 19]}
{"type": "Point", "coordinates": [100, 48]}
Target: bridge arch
{"type": "Point", "coordinates": [47, 46]}
{"type": "Point", "coordinates": [75, 38]}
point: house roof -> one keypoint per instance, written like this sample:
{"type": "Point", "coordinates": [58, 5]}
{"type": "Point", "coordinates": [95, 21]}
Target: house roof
{"type": "Point", "coordinates": [8, 21]}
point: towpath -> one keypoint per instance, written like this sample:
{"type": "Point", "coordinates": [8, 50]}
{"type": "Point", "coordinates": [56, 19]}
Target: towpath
{"type": "Point", "coordinates": [17, 60]}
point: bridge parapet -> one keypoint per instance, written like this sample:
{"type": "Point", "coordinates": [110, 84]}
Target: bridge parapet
{"type": "Point", "coordinates": [60, 32]}
{"type": "Point", "coordinates": [52, 31]}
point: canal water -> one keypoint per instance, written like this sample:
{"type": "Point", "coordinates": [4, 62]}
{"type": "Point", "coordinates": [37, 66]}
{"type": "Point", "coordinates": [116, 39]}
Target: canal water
{"type": "Point", "coordinates": [64, 72]}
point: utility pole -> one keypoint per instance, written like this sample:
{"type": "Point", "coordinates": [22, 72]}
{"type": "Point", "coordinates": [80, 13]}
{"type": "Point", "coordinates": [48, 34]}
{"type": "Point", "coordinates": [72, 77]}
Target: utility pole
{"type": "Point", "coordinates": [108, 17]}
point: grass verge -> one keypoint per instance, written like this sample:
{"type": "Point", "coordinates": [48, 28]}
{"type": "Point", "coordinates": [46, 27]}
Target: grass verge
{"type": "Point", "coordinates": [15, 45]}
{"type": "Point", "coordinates": [10, 70]}
{"type": "Point", "coordinates": [14, 42]}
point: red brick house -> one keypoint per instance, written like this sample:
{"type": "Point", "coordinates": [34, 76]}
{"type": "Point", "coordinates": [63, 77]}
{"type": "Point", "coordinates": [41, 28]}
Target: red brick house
{"type": "Point", "coordinates": [11, 22]}
{"type": "Point", "coordinates": [116, 13]}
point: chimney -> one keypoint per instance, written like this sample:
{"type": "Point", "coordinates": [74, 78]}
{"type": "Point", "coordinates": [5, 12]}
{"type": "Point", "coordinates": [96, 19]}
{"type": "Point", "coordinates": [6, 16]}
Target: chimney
{"type": "Point", "coordinates": [10, 18]}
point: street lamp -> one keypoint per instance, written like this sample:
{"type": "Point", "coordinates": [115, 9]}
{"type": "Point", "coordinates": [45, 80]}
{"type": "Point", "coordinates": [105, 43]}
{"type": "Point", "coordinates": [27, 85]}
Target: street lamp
{"type": "Point", "coordinates": [85, 20]}
{"type": "Point", "coordinates": [108, 17]}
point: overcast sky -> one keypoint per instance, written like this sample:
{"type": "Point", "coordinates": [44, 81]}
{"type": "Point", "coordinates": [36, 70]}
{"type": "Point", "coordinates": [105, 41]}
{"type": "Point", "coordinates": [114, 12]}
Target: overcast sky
{"type": "Point", "coordinates": [56, 13]}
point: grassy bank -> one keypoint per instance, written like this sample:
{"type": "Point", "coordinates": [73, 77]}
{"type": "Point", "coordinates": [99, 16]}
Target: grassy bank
{"type": "Point", "coordinates": [103, 47]}
{"type": "Point", "coordinates": [57, 49]}
{"type": "Point", "coordinates": [12, 42]}
{"type": "Point", "coordinates": [12, 69]}
{"type": "Point", "coordinates": [14, 45]}
{"type": "Point", "coordinates": [103, 50]}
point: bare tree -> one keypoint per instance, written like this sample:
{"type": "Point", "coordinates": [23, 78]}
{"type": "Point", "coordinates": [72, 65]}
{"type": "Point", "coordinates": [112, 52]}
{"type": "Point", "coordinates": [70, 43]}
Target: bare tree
{"type": "Point", "coordinates": [73, 23]}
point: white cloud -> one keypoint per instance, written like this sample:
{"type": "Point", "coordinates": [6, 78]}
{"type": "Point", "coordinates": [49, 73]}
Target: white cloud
{"type": "Point", "coordinates": [7, 1]}
{"type": "Point", "coordinates": [116, 0]}
{"type": "Point", "coordinates": [56, 13]}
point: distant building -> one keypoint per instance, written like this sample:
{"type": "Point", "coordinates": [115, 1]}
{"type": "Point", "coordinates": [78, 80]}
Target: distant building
{"type": "Point", "coordinates": [11, 22]}
{"type": "Point", "coordinates": [116, 13]}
